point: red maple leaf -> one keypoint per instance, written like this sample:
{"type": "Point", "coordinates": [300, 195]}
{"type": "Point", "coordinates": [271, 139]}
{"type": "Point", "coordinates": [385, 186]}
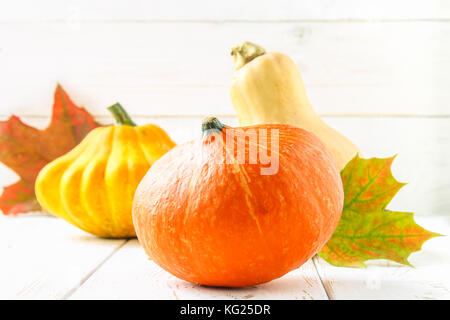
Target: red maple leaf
{"type": "Point", "coordinates": [26, 150]}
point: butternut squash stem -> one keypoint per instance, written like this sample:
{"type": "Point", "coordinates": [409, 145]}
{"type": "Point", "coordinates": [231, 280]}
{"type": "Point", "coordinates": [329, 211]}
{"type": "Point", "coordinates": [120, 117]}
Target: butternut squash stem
{"type": "Point", "coordinates": [211, 124]}
{"type": "Point", "coordinates": [120, 115]}
{"type": "Point", "coordinates": [245, 53]}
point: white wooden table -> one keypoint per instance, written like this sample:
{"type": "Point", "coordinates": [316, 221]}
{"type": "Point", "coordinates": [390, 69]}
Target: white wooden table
{"type": "Point", "coordinates": [43, 257]}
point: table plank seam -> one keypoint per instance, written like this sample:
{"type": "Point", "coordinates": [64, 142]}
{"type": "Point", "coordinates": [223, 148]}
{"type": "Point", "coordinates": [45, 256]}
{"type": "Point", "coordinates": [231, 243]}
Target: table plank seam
{"type": "Point", "coordinates": [316, 266]}
{"type": "Point", "coordinates": [93, 271]}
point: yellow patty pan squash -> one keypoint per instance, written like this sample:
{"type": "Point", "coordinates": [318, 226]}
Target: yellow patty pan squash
{"type": "Point", "coordinates": [93, 185]}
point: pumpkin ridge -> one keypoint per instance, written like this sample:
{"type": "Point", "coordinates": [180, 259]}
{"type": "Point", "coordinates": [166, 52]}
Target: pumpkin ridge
{"type": "Point", "coordinates": [70, 193]}
{"type": "Point", "coordinates": [142, 144]}
{"type": "Point", "coordinates": [57, 208]}
{"type": "Point", "coordinates": [44, 188]}
{"type": "Point", "coordinates": [93, 198]}
{"type": "Point", "coordinates": [109, 163]}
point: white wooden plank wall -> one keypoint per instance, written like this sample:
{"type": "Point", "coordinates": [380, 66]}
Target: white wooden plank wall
{"type": "Point", "coordinates": [232, 10]}
{"type": "Point", "coordinates": [357, 57]}
{"type": "Point", "coordinates": [185, 68]}
{"type": "Point", "coordinates": [378, 71]}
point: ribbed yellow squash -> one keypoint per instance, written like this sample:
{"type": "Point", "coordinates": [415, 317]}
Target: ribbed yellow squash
{"type": "Point", "coordinates": [93, 185]}
{"type": "Point", "coordinates": [268, 88]}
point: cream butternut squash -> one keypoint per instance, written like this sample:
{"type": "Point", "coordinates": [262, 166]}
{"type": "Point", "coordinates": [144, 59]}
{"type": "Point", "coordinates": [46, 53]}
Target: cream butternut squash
{"type": "Point", "coordinates": [268, 88]}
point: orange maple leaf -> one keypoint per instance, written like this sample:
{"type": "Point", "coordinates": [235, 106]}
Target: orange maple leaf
{"type": "Point", "coordinates": [26, 150]}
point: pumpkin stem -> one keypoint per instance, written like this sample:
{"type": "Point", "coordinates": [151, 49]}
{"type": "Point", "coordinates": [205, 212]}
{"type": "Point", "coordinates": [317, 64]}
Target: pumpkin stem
{"type": "Point", "coordinates": [245, 53]}
{"type": "Point", "coordinates": [211, 123]}
{"type": "Point", "coordinates": [120, 115]}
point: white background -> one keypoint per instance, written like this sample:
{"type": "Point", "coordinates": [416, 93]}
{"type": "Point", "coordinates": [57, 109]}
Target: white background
{"type": "Point", "coordinates": [377, 71]}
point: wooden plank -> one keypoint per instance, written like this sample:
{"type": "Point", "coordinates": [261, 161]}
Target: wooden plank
{"type": "Point", "coordinates": [421, 145]}
{"type": "Point", "coordinates": [429, 279]}
{"type": "Point", "coordinates": [185, 68]}
{"type": "Point", "coordinates": [46, 258]}
{"type": "Point", "coordinates": [129, 274]}
{"type": "Point", "coordinates": [194, 10]}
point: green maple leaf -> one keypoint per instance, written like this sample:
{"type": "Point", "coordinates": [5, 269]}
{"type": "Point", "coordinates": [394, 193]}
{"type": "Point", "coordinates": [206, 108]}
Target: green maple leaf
{"type": "Point", "coordinates": [367, 230]}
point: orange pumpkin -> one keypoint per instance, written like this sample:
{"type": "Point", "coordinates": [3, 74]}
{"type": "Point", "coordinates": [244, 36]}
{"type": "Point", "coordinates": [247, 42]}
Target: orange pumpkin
{"type": "Point", "coordinates": [209, 216]}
